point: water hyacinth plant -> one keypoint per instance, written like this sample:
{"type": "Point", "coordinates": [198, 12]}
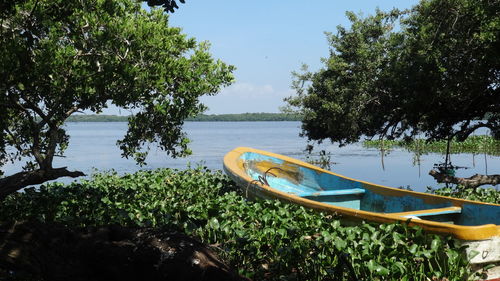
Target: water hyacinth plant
{"type": "Point", "coordinates": [264, 240]}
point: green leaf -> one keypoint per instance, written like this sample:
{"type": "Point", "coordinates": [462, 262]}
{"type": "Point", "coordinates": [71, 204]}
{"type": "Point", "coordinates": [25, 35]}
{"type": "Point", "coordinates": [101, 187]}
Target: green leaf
{"type": "Point", "coordinates": [214, 223]}
{"type": "Point", "coordinates": [377, 268]}
{"type": "Point", "coordinates": [413, 249]}
{"type": "Point", "coordinates": [435, 244]}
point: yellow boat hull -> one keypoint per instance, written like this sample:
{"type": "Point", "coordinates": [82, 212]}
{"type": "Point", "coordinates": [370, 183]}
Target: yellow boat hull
{"type": "Point", "coordinates": [267, 175]}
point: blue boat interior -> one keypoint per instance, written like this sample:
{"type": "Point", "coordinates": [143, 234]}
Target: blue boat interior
{"type": "Point", "coordinates": [343, 192]}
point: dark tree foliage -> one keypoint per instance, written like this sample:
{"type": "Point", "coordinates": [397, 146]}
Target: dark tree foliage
{"type": "Point", "coordinates": [7, 6]}
{"type": "Point", "coordinates": [61, 57]}
{"type": "Point", "coordinates": [168, 5]}
{"type": "Point", "coordinates": [434, 69]}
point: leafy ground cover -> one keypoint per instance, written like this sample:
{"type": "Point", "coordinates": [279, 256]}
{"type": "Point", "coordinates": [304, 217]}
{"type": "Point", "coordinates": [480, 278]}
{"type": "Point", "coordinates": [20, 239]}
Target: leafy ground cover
{"type": "Point", "coordinates": [264, 240]}
{"type": "Point", "coordinates": [473, 144]}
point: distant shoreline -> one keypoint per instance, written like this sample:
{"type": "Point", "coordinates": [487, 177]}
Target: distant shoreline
{"type": "Point", "coordinates": [242, 117]}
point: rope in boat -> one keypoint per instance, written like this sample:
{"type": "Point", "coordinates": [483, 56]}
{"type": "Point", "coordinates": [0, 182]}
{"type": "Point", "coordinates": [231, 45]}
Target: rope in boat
{"type": "Point", "coordinates": [261, 179]}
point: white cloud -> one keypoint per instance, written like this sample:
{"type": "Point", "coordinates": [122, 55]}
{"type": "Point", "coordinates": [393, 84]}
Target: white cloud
{"type": "Point", "coordinates": [237, 98]}
{"type": "Point", "coordinates": [248, 91]}
{"type": "Point", "coordinates": [246, 97]}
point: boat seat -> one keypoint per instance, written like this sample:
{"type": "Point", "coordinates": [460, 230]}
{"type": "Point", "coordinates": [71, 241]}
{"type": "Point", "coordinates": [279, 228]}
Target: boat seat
{"type": "Point", "coordinates": [430, 212]}
{"type": "Point", "coordinates": [352, 191]}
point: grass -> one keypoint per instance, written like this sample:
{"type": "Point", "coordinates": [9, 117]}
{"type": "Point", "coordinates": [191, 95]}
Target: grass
{"type": "Point", "coordinates": [474, 144]}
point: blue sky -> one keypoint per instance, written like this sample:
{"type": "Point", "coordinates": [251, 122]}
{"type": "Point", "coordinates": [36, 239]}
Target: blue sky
{"type": "Point", "coordinates": [266, 40]}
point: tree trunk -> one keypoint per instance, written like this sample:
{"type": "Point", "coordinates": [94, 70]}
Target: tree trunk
{"type": "Point", "coordinates": [20, 180]}
{"type": "Point", "coordinates": [53, 252]}
{"type": "Point", "coordinates": [472, 182]}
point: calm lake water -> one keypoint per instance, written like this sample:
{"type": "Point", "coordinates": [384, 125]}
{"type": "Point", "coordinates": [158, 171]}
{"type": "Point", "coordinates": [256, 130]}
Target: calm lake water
{"type": "Point", "coordinates": [93, 145]}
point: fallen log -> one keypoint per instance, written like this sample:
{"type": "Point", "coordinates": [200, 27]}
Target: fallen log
{"type": "Point", "coordinates": [471, 182]}
{"type": "Point", "coordinates": [54, 252]}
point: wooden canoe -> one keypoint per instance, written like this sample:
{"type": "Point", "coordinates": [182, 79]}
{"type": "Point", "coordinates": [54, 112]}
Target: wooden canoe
{"type": "Point", "coordinates": [273, 176]}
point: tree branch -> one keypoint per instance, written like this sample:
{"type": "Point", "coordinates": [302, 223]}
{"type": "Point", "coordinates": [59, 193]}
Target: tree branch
{"type": "Point", "coordinates": [37, 110]}
{"type": "Point", "coordinates": [51, 149]}
{"type": "Point", "coordinates": [11, 184]}
{"type": "Point", "coordinates": [16, 102]}
{"type": "Point", "coordinates": [71, 111]}
{"type": "Point", "coordinates": [35, 134]}
{"type": "Point", "coordinates": [472, 182]}
{"type": "Point", "coordinates": [465, 132]}
{"type": "Point", "coordinates": [14, 139]}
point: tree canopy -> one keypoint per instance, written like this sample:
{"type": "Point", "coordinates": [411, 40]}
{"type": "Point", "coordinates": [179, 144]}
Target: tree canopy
{"type": "Point", "coordinates": [60, 57]}
{"type": "Point", "coordinates": [433, 69]}
{"type": "Point", "coordinates": [168, 5]}
{"type": "Point", "coordinates": [7, 6]}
